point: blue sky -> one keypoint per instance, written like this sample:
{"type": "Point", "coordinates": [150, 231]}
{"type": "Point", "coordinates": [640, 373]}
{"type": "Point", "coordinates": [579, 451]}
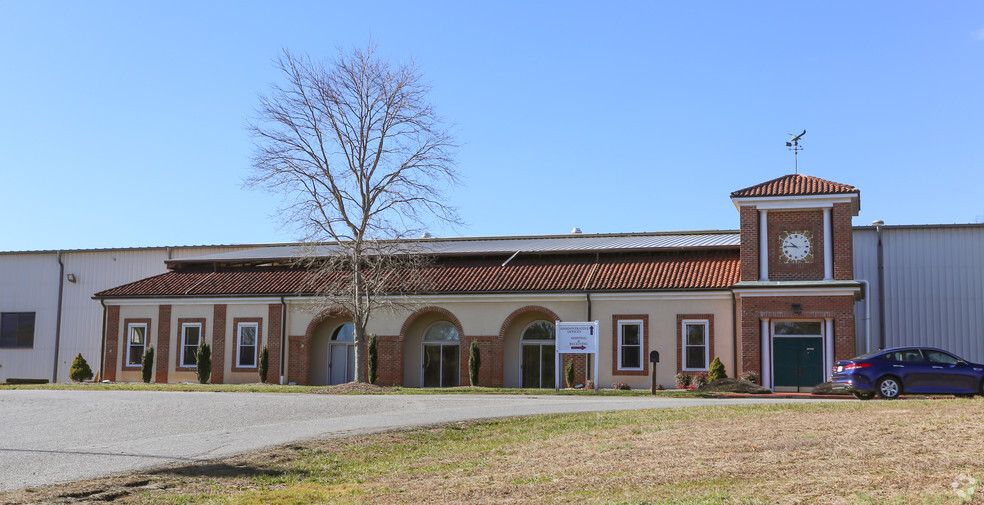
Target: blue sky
{"type": "Point", "coordinates": [121, 123]}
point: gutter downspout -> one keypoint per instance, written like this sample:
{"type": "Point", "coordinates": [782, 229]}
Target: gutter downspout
{"type": "Point", "coordinates": [283, 337]}
{"type": "Point", "coordinates": [734, 332]}
{"type": "Point", "coordinates": [102, 346]}
{"type": "Point", "coordinates": [881, 286]}
{"type": "Point", "coordinates": [61, 291]}
{"type": "Point", "coordinates": [867, 315]}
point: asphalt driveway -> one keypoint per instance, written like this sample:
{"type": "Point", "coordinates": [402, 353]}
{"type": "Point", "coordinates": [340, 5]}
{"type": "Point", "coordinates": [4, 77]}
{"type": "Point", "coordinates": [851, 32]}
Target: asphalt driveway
{"type": "Point", "coordinates": [48, 437]}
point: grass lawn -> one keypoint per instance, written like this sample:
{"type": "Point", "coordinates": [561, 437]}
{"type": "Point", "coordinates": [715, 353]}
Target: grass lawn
{"type": "Point", "coordinates": [893, 452]}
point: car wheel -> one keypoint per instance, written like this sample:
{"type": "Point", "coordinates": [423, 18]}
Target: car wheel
{"type": "Point", "coordinates": [863, 395]}
{"type": "Point", "coordinates": [889, 388]}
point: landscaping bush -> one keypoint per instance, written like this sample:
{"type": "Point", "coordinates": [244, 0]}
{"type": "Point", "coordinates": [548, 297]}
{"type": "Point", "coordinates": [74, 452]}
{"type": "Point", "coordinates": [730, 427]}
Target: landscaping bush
{"type": "Point", "coordinates": [80, 370]}
{"type": "Point", "coordinates": [203, 358]}
{"type": "Point", "coordinates": [372, 358]}
{"type": "Point", "coordinates": [750, 377]}
{"type": "Point", "coordinates": [474, 362]}
{"type": "Point", "coordinates": [683, 380]}
{"type": "Point", "coordinates": [717, 371]}
{"type": "Point", "coordinates": [264, 364]}
{"type": "Point", "coordinates": [569, 373]}
{"type": "Point", "coordinates": [147, 364]}
{"type": "Point", "coordinates": [699, 380]}
{"type": "Point", "coordinates": [621, 386]}
{"type": "Point", "coordinates": [658, 387]}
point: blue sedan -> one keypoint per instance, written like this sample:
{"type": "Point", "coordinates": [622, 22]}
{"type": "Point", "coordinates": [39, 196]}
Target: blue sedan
{"type": "Point", "coordinates": [891, 372]}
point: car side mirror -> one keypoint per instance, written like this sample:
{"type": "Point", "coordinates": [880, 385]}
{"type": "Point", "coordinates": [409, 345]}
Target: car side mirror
{"type": "Point", "coordinates": [961, 362]}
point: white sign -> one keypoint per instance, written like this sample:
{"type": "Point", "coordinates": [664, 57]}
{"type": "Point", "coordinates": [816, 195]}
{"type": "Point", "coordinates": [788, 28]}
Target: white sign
{"type": "Point", "coordinates": [577, 338]}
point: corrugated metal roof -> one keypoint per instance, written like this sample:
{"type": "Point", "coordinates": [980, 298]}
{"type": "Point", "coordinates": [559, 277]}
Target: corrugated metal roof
{"type": "Point", "coordinates": [713, 239]}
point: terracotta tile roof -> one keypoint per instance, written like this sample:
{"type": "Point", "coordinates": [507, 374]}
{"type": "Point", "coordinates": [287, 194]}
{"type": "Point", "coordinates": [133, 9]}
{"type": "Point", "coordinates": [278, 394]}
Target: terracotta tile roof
{"type": "Point", "coordinates": [795, 185]}
{"type": "Point", "coordinates": [717, 269]}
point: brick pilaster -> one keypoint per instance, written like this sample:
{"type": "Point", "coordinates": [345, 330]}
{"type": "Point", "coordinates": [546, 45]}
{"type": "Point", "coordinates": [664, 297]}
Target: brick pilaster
{"type": "Point", "coordinates": [218, 343]}
{"type": "Point", "coordinates": [163, 342]}
{"type": "Point", "coordinates": [275, 320]}
{"type": "Point", "coordinates": [113, 343]}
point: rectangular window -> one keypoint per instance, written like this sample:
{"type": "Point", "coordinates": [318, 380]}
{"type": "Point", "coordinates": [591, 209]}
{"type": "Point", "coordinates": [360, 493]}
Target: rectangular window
{"type": "Point", "coordinates": [695, 344]}
{"type": "Point", "coordinates": [191, 335]}
{"type": "Point", "coordinates": [136, 343]}
{"type": "Point", "coordinates": [630, 340]}
{"type": "Point", "coordinates": [246, 344]}
{"type": "Point", "coordinates": [17, 330]}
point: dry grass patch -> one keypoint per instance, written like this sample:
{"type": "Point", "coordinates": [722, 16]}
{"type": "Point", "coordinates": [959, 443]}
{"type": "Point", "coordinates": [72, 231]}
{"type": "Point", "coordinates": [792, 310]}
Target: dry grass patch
{"type": "Point", "coordinates": [844, 452]}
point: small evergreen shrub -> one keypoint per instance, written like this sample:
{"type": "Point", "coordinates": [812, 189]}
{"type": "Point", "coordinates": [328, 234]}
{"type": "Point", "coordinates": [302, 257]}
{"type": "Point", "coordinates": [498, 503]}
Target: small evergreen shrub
{"type": "Point", "coordinates": [569, 373]}
{"type": "Point", "coordinates": [203, 358]}
{"type": "Point", "coordinates": [621, 386]}
{"type": "Point", "coordinates": [750, 377]}
{"type": "Point", "coordinates": [80, 370]}
{"type": "Point", "coordinates": [699, 380]}
{"type": "Point", "coordinates": [264, 365]}
{"type": "Point", "coordinates": [683, 380]}
{"type": "Point", "coordinates": [717, 371]}
{"type": "Point", "coordinates": [474, 362]}
{"type": "Point", "coordinates": [372, 358]}
{"type": "Point", "coordinates": [147, 364]}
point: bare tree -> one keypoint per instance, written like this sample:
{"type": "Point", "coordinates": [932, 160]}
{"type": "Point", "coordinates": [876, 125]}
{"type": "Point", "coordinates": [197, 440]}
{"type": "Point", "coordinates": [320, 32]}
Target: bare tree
{"type": "Point", "coordinates": [362, 159]}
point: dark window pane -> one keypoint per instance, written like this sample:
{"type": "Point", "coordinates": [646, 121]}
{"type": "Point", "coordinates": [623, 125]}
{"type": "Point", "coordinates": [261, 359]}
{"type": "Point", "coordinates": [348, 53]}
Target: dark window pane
{"type": "Point", "coordinates": [190, 359]}
{"type": "Point", "coordinates": [136, 352]}
{"type": "Point", "coordinates": [548, 357]}
{"type": "Point", "coordinates": [450, 372]}
{"type": "Point", "coordinates": [940, 357]}
{"type": "Point", "coordinates": [797, 328]}
{"type": "Point", "coordinates": [191, 335]}
{"type": "Point", "coordinates": [630, 357]}
{"type": "Point", "coordinates": [531, 366]}
{"type": "Point", "coordinates": [247, 356]}
{"type": "Point", "coordinates": [540, 330]}
{"type": "Point", "coordinates": [247, 335]}
{"type": "Point", "coordinates": [432, 366]}
{"type": "Point", "coordinates": [17, 329]}
{"type": "Point", "coordinates": [695, 357]}
{"type": "Point", "coordinates": [441, 331]}
{"type": "Point", "coordinates": [695, 334]}
{"type": "Point", "coordinates": [630, 334]}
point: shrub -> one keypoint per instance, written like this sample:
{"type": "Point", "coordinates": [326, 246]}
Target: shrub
{"type": "Point", "coordinates": [683, 380]}
{"type": "Point", "coordinates": [750, 377]}
{"type": "Point", "coordinates": [569, 373]}
{"type": "Point", "coordinates": [700, 380]}
{"type": "Point", "coordinates": [658, 387]}
{"type": "Point", "coordinates": [203, 358]}
{"type": "Point", "coordinates": [620, 386]}
{"type": "Point", "coordinates": [80, 370]}
{"type": "Point", "coordinates": [717, 371]}
{"type": "Point", "coordinates": [264, 366]}
{"type": "Point", "coordinates": [147, 364]}
{"type": "Point", "coordinates": [474, 362]}
{"type": "Point", "coordinates": [372, 358]}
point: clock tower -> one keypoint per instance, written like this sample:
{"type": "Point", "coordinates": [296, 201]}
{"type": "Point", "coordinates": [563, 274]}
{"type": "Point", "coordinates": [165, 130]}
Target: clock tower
{"type": "Point", "coordinates": [795, 300]}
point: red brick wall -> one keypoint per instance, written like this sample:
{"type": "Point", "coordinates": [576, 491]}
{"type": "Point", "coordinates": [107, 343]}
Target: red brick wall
{"type": "Point", "coordinates": [218, 343]}
{"type": "Point", "coordinates": [795, 220]}
{"type": "Point", "coordinates": [389, 361]}
{"type": "Point", "coordinates": [180, 341]}
{"type": "Point", "coordinates": [274, 320]}
{"type": "Point", "coordinates": [753, 309]}
{"type": "Point", "coordinates": [490, 348]}
{"type": "Point", "coordinates": [710, 338]}
{"type": "Point", "coordinates": [645, 344]}
{"type": "Point", "coordinates": [298, 359]}
{"type": "Point", "coordinates": [843, 239]}
{"type": "Point", "coordinates": [163, 351]}
{"type": "Point", "coordinates": [108, 368]}
{"type": "Point", "coordinates": [749, 243]}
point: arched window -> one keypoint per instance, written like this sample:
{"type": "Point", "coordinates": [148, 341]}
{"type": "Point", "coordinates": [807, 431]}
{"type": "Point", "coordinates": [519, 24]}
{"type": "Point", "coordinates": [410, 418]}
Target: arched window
{"type": "Point", "coordinates": [540, 330]}
{"type": "Point", "coordinates": [441, 331]}
{"type": "Point", "coordinates": [344, 333]}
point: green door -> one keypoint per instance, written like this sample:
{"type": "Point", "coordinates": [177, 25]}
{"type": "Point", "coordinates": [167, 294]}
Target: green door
{"type": "Point", "coordinates": [797, 363]}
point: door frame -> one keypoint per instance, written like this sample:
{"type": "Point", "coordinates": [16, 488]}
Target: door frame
{"type": "Point", "coordinates": [768, 334]}
{"type": "Point", "coordinates": [442, 344]}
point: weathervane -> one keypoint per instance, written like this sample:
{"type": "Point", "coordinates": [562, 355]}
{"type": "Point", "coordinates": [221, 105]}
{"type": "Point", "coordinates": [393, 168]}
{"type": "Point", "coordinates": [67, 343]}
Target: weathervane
{"type": "Point", "coordinates": [794, 146]}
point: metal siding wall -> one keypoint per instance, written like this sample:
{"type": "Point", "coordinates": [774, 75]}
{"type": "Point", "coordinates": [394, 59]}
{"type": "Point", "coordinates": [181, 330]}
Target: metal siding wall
{"type": "Point", "coordinates": [866, 268]}
{"type": "Point", "coordinates": [29, 283]}
{"type": "Point", "coordinates": [934, 280]}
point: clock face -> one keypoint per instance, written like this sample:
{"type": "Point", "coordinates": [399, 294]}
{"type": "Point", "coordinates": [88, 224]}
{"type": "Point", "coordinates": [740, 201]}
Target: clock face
{"type": "Point", "coordinates": [796, 247]}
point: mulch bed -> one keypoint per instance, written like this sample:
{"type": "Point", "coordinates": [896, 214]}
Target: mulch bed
{"type": "Point", "coordinates": [355, 388]}
{"type": "Point", "coordinates": [729, 385]}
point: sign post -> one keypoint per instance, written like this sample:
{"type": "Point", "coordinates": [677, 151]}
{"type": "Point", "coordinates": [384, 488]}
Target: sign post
{"type": "Point", "coordinates": [576, 338]}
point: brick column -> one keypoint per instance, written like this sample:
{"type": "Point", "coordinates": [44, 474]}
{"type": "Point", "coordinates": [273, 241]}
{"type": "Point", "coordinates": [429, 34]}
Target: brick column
{"type": "Point", "coordinates": [113, 343]}
{"type": "Point", "coordinates": [273, 342]}
{"type": "Point", "coordinates": [298, 360]}
{"type": "Point", "coordinates": [163, 342]}
{"type": "Point", "coordinates": [218, 343]}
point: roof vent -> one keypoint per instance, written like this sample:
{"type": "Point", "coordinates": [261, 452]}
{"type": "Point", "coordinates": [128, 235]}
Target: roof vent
{"type": "Point", "coordinates": [576, 231]}
{"type": "Point", "coordinates": [426, 235]}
